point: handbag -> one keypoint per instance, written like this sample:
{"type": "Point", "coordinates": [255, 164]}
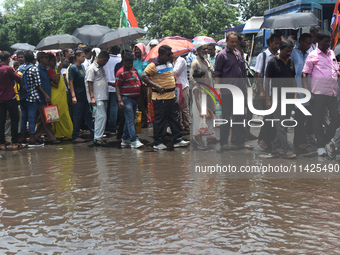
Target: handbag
{"type": "Point", "coordinates": [51, 113]}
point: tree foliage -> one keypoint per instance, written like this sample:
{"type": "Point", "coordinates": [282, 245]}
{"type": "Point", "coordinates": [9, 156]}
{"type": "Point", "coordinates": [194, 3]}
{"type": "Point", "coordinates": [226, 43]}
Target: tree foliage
{"type": "Point", "coordinates": [31, 20]}
{"type": "Point", "coordinates": [250, 8]}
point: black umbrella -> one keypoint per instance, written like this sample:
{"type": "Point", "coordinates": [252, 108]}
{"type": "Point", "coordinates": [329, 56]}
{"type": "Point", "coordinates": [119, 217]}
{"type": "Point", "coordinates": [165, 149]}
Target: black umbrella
{"type": "Point", "coordinates": [91, 34]}
{"type": "Point", "coordinates": [120, 36]}
{"type": "Point", "coordinates": [58, 42]}
{"type": "Point", "coordinates": [23, 46]}
{"type": "Point", "coordinates": [290, 21]}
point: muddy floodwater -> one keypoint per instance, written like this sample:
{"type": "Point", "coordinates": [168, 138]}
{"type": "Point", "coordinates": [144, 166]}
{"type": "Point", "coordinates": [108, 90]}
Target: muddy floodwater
{"type": "Point", "coordinates": [75, 199]}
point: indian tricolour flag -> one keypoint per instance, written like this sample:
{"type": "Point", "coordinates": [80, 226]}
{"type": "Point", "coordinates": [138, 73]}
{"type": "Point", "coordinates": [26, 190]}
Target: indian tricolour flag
{"type": "Point", "coordinates": [126, 16]}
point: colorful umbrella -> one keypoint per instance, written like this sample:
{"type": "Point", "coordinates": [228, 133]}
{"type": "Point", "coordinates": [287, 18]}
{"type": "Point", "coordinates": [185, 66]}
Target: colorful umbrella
{"type": "Point", "coordinates": [179, 47]}
{"type": "Point", "coordinates": [203, 38]}
{"type": "Point", "coordinates": [222, 42]}
{"type": "Point", "coordinates": [176, 38]}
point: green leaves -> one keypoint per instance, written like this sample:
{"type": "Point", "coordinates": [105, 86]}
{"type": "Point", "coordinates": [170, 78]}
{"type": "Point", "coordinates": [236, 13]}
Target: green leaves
{"type": "Point", "coordinates": [31, 20]}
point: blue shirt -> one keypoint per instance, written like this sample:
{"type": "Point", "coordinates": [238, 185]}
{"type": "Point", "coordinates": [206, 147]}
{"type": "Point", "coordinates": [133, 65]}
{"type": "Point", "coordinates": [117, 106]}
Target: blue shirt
{"type": "Point", "coordinates": [140, 66]}
{"type": "Point", "coordinates": [45, 83]}
{"type": "Point", "coordinates": [299, 62]}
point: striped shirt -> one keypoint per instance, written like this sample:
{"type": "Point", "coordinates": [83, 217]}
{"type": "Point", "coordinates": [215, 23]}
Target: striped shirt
{"type": "Point", "coordinates": [163, 75]}
{"type": "Point", "coordinates": [128, 82]}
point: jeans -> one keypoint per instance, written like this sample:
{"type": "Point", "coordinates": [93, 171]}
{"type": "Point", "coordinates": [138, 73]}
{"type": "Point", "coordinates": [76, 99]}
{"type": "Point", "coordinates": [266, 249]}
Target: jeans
{"type": "Point", "coordinates": [319, 106]}
{"type": "Point", "coordinates": [130, 108]}
{"type": "Point", "coordinates": [100, 119]}
{"type": "Point", "coordinates": [81, 110]}
{"type": "Point", "coordinates": [28, 113]}
{"type": "Point", "coordinates": [227, 109]}
{"type": "Point", "coordinates": [112, 112]}
{"type": "Point", "coordinates": [166, 113]}
{"type": "Point", "coordinates": [12, 107]}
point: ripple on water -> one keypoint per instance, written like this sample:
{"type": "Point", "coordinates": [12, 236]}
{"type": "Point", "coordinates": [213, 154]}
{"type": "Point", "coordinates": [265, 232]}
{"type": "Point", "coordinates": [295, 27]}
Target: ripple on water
{"type": "Point", "coordinates": [107, 201]}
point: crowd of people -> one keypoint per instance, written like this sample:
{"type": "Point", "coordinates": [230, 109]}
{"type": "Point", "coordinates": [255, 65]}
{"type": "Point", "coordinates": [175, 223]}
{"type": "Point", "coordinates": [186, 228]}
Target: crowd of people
{"type": "Point", "coordinates": [103, 88]}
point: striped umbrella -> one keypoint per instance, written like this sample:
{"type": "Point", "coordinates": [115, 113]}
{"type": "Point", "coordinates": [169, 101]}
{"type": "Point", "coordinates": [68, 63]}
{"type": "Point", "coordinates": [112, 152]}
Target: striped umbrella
{"type": "Point", "coordinates": [222, 42]}
{"type": "Point", "coordinates": [204, 39]}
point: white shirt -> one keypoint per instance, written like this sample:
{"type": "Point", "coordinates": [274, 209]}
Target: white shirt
{"type": "Point", "coordinates": [87, 63]}
{"type": "Point", "coordinates": [180, 72]}
{"type": "Point", "coordinates": [110, 70]}
{"type": "Point", "coordinates": [259, 63]}
{"type": "Point", "coordinates": [96, 74]}
{"type": "Point", "coordinates": [312, 47]}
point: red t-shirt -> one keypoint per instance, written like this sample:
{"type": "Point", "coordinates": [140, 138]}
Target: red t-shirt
{"type": "Point", "coordinates": [128, 82]}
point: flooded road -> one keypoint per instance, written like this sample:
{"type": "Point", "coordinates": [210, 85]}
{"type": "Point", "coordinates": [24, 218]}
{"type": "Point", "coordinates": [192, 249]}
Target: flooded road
{"type": "Point", "coordinates": [75, 199]}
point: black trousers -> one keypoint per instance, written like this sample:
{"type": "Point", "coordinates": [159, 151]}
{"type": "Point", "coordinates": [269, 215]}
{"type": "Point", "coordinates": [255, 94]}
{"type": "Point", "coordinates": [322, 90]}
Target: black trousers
{"type": "Point", "coordinates": [166, 112]}
{"type": "Point", "coordinates": [320, 104]}
{"type": "Point", "coordinates": [143, 104]}
{"type": "Point", "coordinates": [12, 107]}
{"type": "Point", "coordinates": [304, 126]}
{"type": "Point", "coordinates": [267, 131]}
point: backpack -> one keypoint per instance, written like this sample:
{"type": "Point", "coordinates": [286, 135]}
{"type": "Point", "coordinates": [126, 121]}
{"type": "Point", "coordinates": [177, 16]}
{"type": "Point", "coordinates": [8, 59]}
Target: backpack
{"type": "Point", "coordinates": [23, 90]}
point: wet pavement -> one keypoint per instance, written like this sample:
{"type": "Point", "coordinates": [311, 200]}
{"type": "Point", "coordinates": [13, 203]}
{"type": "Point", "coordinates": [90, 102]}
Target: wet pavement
{"type": "Point", "coordinates": [79, 199]}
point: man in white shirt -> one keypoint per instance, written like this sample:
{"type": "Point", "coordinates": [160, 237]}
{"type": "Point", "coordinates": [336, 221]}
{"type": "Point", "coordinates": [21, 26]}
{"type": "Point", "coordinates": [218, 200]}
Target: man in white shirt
{"type": "Point", "coordinates": [98, 93]}
{"type": "Point", "coordinates": [267, 132]}
{"type": "Point", "coordinates": [111, 78]}
{"type": "Point", "coordinates": [88, 54]}
{"type": "Point", "coordinates": [180, 73]}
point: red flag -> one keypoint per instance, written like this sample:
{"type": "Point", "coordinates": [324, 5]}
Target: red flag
{"type": "Point", "coordinates": [334, 24]}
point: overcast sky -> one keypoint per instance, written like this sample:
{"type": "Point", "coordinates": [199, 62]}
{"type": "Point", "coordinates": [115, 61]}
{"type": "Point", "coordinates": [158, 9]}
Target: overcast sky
{"type": "Point", "coordinates": [1, 6]}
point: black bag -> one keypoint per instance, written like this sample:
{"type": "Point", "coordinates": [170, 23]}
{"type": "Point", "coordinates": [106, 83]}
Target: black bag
{"type": "Point", "coordinates": [24, 89]}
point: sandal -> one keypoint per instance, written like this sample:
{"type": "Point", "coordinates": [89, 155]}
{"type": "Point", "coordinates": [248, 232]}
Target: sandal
{"type": "Point", "coordinates": [99, 143]}
{"type": "Point", "coordinates": [290, 155]}
{"type": "Point", "coordinates": [18, 147]}
{"type": "Point", "coordinates": [202, 147]}
{"type": "Point", "coordinates": [227, 147]}
{"type": "Point", "coordinates": [262, 144]}
{"type": "Point", "coordinates": [3, 147]}
{"type": "Point", "coordinates": [244, 146]}
{"type": "Point", "coordinates": [278, 152]}
{"type": "Point", "coordinates": [330, 153]}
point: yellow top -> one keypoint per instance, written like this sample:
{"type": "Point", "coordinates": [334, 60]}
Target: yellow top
{"type": "Point", "coordinates": [162, 75]}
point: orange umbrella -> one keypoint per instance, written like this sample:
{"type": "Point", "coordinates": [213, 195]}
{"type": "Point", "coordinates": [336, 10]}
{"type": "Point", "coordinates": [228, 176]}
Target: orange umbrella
{"type": "Point", "coordinates": [179, 47]}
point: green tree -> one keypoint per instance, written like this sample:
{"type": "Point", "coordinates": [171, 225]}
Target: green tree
{"type": "Point", "coordinates": [185, 18]}
{"type": "Point", "coordinates": [250, 8]}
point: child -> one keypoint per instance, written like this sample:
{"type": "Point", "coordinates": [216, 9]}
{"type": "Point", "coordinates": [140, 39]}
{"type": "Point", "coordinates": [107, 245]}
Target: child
{"type": "Point", "coordinates": [202, 124]}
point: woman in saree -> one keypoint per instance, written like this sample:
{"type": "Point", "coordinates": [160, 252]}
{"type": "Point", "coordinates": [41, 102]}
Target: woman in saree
{"type": "Point", "coordinates": [63, 128]}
